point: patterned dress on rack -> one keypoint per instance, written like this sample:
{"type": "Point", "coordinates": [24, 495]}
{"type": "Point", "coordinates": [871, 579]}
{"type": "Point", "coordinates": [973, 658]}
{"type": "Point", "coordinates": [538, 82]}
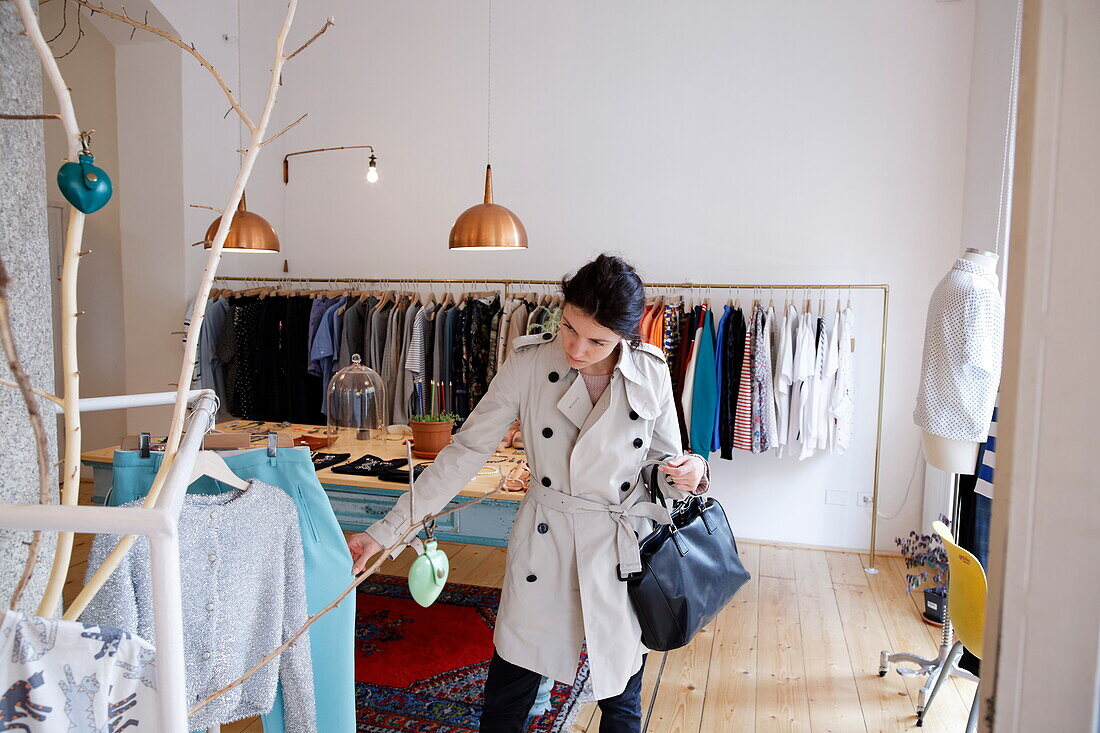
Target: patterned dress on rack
{"type": "Point", "coordinates": [761, 381]}
{"type": "Point", "coordinates": [742, 420]}
{"type": "Point", "coordinates": [671, 341]}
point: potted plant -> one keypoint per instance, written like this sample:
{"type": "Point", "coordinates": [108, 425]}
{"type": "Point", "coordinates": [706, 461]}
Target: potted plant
{"type": "Point", "coordinates": [927, 562]}
{"type": "Point", "coordinates": [431, 432]}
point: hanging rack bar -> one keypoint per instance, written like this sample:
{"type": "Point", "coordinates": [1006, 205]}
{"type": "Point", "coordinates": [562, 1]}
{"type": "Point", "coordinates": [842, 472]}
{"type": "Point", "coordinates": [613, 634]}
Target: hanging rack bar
{"type": "Point", "coordinates": [508, 283]}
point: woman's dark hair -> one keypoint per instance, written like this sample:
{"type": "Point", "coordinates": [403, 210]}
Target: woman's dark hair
{"type": "Point", "coordinates": [610, 291]}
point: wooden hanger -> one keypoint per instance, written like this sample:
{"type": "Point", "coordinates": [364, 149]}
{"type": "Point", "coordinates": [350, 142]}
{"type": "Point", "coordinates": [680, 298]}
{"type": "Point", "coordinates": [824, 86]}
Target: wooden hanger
{"type": "Point", "coordinates": [211, 465]}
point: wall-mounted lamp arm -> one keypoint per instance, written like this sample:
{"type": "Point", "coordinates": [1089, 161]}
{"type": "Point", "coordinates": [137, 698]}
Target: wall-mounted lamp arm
{"type": "Point", "coordinates": [286, 158]}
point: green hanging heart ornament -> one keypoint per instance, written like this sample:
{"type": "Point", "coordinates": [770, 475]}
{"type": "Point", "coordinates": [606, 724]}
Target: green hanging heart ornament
{"type": "Point", "coordinates": [85, 185]}
{"type": "Point", "coordinates": [428, 574]}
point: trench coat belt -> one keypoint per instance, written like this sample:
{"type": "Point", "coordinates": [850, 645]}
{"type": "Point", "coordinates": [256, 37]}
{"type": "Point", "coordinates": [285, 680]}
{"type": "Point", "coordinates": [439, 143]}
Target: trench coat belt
{"type": "Point", "coordinates": [626, 539]}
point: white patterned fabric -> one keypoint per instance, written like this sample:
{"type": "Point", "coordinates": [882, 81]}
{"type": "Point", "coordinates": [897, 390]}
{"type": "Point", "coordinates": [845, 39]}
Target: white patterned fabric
{"type": "Point", "coordinates": [67, 676]}
{"type": "Point", "coordinates": [842, 406]}
{"type": "Point", "coordinates": [812, 384]}
{"type": "Point", "coordinates": [963, 339]}
{"type": "Point", "coordinates": [784, 377]}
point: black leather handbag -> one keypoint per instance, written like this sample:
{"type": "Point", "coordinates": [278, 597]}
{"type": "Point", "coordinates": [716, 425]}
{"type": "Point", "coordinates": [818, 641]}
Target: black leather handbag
{"type": "Point", "coordinates": [690, 571]}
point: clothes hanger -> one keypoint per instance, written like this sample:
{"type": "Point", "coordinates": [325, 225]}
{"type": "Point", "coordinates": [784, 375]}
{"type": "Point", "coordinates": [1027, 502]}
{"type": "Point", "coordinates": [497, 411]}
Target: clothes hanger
{"type": "Point", "coordinates": [211, 465]}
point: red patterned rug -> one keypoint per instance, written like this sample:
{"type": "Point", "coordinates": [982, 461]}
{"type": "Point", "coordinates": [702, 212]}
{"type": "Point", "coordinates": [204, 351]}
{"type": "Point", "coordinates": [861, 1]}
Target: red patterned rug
{"type": "Point", "coordinates": [423, 670]}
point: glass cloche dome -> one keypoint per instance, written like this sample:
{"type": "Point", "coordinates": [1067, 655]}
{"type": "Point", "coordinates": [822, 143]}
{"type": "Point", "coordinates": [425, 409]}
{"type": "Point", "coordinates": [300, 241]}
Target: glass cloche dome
{"type": "Point", "coordinates": [356, 403]}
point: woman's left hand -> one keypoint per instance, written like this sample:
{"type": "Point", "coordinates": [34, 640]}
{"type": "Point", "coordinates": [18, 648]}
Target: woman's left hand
{"type": "Point", "coordinates": [686, 472]}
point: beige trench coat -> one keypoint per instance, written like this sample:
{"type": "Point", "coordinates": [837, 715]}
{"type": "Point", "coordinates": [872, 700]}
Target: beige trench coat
{"type": "Point", "coordinates": [561, 586]}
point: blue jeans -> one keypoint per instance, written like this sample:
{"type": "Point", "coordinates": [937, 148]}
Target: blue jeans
{"type": "Point", "coordinates": [327, 564]}
{"type": "Point", "coordinates": [510, 691]}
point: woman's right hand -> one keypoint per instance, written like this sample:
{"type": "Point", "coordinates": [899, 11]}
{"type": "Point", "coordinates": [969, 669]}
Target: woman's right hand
{"type": "Point", "coordinates": [363, 547]}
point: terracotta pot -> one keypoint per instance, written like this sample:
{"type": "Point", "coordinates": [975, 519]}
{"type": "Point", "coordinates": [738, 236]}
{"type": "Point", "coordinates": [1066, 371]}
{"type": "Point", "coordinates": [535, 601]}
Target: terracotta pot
{"type": "Point", "coordinates": [430, 437]}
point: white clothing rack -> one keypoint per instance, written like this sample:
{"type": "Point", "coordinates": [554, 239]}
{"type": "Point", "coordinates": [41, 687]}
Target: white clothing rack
{"type": "Point", "coordinates": [160, 525]}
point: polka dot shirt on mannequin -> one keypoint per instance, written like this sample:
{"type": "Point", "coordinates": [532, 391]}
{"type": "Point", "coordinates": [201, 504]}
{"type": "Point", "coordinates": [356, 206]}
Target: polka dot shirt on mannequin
{"type": "Point", "coordinates": [963, 340]}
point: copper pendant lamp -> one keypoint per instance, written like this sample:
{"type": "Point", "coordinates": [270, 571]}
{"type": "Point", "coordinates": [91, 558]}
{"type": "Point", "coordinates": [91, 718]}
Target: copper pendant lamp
{"type": "Point", "coordinates": [487, 225]}
{"type": "Point", "coordinates": [248, 232]}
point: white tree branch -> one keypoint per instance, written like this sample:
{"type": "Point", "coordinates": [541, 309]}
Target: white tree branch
{"type": "Point", "coordinates": [7, 340]}
{"type": "Point", "coordinates": [188, 47]}
{"type": "Point", "coordinates": [70, 262]}
{"type": "Point", "coordinates": [187, 369]}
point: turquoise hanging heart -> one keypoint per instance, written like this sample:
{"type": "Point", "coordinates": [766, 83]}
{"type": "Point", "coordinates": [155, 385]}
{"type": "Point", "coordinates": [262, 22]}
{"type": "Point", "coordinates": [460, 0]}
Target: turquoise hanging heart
{"type": "Point", "coordinates": [84, 185]}
{"type": "Point", "coordinates": [428, 574]}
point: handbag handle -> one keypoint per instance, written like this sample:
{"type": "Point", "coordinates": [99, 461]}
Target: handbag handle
{"type": "Point", "coordinates": [657, 497]}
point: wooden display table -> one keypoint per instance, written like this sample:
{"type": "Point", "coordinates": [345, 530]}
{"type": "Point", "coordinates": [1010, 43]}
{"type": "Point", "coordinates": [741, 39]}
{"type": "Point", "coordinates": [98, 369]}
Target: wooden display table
{"type": "Point", "coordinates": [360, 500]}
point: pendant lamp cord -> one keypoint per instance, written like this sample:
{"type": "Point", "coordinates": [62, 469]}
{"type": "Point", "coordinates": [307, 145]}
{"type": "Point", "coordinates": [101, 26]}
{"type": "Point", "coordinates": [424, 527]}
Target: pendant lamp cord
{"type": "Point", "coordinates": [240, 83]}
{"type": "Point", "coordinates": [1008, 158]}
{"type": "Point", "coordinates": [489, 91]}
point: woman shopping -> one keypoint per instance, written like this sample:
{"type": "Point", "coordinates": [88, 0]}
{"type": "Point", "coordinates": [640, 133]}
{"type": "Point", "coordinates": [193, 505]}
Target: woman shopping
{"type": "Point", "coordinates": [594, 403]}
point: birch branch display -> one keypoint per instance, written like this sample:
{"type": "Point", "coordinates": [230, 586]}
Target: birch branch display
{"type": "Point", "coordinates": [188, 47]}
{"type": "Point", "coordinates": [15, 366]}
{"type": "Point", "coordinates": [70, 374]}
{"type": "Point", "coordinates": [31, 117]}
{"type": "Point", "coordinates": [257, 130]}
{"type": "Point", "coordinates": [40, 392]}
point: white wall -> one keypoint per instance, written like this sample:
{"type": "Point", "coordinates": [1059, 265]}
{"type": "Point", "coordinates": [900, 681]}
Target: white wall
{"type": "Point", "coordinates": [150, 122]}
{"type": "Point", "coordinates": [707, 141]}
{"type": "Point", "coordinates": [90, 72]}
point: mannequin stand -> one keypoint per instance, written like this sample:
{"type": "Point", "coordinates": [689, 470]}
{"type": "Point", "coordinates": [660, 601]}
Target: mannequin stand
{"type": "Point", "coordinates": [944, 665]}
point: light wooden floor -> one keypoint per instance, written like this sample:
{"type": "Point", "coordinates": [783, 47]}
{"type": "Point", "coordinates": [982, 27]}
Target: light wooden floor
{"type": "Point", "coordinates": [797, 650]}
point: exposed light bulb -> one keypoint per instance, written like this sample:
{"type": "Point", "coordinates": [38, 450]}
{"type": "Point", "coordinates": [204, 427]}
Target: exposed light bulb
{"type": "Point", "coordinates": [372, 170]}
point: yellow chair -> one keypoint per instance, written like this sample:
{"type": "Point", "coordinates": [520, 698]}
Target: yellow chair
{"type": "Point", "coordinates": [966, 592]}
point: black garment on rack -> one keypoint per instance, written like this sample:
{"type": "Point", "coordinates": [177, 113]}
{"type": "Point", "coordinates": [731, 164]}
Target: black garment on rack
{"type": "Point", "coordinates": [237, 348]}
{"type": "Point", "coordinates": [459, 322]}
{"type": "Point", "coordinates": [732, 356]}
{"type": "Point", "coordinates": [478, 347]}
{"type": "Point", "coordinates": [271, 378]}
{"type": "Point", "coordinates": [302, 389]}
{"type": "Point", "coordinates": [687, 337]}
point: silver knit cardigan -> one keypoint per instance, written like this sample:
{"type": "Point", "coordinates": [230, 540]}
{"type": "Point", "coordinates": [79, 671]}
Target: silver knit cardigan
{"type": "Point", "coordinates": [243, 581]}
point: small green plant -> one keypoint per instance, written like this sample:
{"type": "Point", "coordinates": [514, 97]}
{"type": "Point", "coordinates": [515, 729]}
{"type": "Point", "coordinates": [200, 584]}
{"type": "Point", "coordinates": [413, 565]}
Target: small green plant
{"type": "Point", "coordinates": [435, 417]}
{"type": "Point", "coordinates": [925, 557]}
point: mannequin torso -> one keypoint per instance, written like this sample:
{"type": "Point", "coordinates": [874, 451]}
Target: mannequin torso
{"type": "Point", "coordinates": [957, 456]}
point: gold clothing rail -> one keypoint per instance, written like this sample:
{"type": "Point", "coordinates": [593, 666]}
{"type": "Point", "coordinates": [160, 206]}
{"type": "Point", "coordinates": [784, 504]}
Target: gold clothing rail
{"type": "Point", "coordinates": [509, 282]}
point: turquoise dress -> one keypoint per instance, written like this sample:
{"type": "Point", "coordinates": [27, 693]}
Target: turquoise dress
{"type": "Point", "coordinates": [704, 398]}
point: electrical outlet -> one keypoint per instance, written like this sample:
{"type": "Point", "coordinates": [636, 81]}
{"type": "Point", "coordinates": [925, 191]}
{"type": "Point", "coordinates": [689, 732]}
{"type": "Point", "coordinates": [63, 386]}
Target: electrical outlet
{"type": "Point", "coordinates": [867, 500]}
{"type": "Point", "coordinates": [839, 498]}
